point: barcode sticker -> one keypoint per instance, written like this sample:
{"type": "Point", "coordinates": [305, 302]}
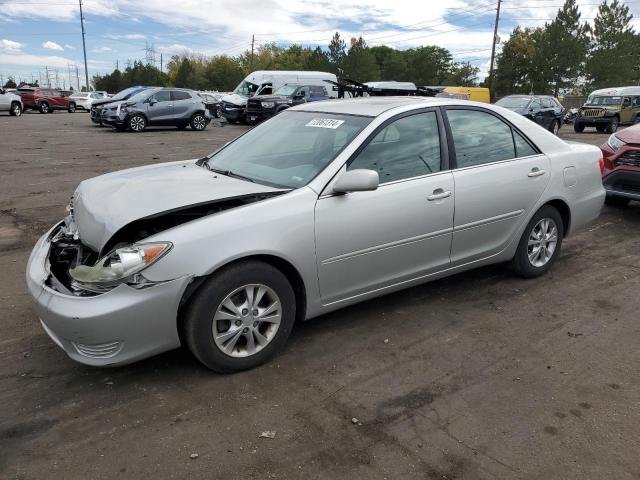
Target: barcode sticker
{"type": "Point", "coordinates": [325, 123]}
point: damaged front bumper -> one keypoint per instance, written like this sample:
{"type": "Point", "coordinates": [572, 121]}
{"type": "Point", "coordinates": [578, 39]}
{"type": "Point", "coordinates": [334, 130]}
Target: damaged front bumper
{"type": "Point", "coordinates": [116, 327]}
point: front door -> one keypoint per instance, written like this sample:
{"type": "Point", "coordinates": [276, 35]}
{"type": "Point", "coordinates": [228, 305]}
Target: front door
{"type": "Point", "coordinates": [161, 109]}
{"type": "Point", "coordinates": [626, 111]}
{"type": "Point", "coordinates": [401, 231]}
{"type": "Point", "coordinates": [499, 177]}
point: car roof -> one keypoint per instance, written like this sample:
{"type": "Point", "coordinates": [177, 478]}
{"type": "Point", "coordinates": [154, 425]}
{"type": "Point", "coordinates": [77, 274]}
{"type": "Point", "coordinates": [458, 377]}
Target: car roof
{"type": "Point", "coordinates": [371, 106]}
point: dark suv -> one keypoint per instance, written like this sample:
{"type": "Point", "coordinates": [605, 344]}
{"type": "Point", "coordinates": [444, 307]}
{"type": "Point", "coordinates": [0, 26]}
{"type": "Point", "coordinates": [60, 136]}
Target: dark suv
{"type": "Point", "coordinates": [46, 100]}
{"type": "Point", "coordinates": [545, 110]}
{"type": "Point", "coordinates": [621, 168]}
{"type": "Point", "coordinates": [176, 107]}
{"type": "Point", "coordinates": [262, 107]}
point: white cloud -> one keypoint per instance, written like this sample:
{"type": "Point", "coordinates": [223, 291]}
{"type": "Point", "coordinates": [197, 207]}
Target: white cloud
{"type": "Point", "coordinates": [175, 49]}
{"type": "Point", "coordinates": [49, 45]}
{"type": "Point", "coordinates": [127, 36]}
{"type": "Point", "coordinates": [35, 60]}
{"type": "Point", "coordinates": [102, 50]}
{"type": "Point", "coordinates": [10, 46]}
{"type": "Point", "coordinates": [69, 47]}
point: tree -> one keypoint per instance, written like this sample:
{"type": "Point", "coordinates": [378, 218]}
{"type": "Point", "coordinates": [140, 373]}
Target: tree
{"type": "Point", "coordinates": [463, 75]}
{"type": "Point", "coordinates": [317, 60]}
{"type": "Point", "coordinates": [10, 83]}
{"type": "Point", "coordinates": [337, 52]}
{"type": "Point", "coordinates": [613, 38]}
{"type": "Point", "coordinates": [223, 73]}
{"type": "Point", "coordinates": [360, 64]}
{"type": "Point", "coordinates": [564, 48]}
{"type": "Point", "coordinates": [429, 65]}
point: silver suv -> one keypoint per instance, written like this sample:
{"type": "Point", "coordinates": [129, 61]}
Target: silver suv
{"type": "Point", "coordinates": [176, 107]}
{"type": "Point", "coordinates": [10, 102]}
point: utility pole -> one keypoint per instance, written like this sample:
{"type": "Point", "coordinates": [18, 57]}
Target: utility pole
{"type": "Point", "coordinates": [493, 47]}
{"type": "Point", "coordinates": [46, 71]}
{"type": "Point", "coordinates": [77, 77]}
{"type": "Point", "coordinates": [84, 49]}
{"type": "Point", "coordinates": [253, 40]}
{"type": "Point", "coordinates": [160, 62]}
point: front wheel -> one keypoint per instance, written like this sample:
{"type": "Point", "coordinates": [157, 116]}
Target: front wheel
{"type": "Point", "coordinates": [540, 243]}
{"type": "Point", "coordinates": [240, 317]}
{"type": "Point", "coordinates": [72, 107]}
{"type": "Point", "coordinates": [44, 107]}
{"type": "Point", "coordinates": [16, 109]}
{"type": "Point", "coordinates": [555, 127]}
{"type": "Point", "coordinates": [578, 127]}
{"type": "Point", "coordinates": [198, 122]}
{"type": "Point", "coordinates": [613, 126]}
{"type": "Point", "coordinates": [137, 123]}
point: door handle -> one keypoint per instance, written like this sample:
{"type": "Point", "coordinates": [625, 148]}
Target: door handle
{"type": "Point", "coordinates": [535, 172]}
{"type": "Point", "coordinates": [439, 194]}
{"type": "Point", "coordinates": [170, 105]}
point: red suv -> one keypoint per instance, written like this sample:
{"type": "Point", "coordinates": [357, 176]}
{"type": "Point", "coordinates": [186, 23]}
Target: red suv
{"type": "Point", "coordinates": [621, 168]}
{"type": "Point", "coordinates": [46, 100]}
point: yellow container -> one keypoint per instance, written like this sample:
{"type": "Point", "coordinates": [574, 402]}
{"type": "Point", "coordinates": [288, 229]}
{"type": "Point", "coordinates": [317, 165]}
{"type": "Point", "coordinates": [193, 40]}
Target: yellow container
{"type": "Point", "coordinates": [477, 94]}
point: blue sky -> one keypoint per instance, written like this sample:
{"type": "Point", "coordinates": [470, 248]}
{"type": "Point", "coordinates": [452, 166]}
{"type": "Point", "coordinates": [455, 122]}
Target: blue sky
{"type": "Point", "coordinates": [35, 34]}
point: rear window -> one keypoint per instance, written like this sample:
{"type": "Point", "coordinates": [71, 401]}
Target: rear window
{"type": "Point", "coordinates": [179, 95]}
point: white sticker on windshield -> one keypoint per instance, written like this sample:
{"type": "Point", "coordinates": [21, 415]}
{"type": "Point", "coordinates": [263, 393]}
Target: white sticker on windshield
{"type": "Point", "coordinates": [325, 123]}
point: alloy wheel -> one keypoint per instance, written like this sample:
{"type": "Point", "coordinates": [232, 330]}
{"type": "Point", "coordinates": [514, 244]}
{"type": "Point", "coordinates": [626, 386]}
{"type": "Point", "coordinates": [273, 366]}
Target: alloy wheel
{"type": "Point", "coordinates": [542, 243]}
{"type": "Point", "coordinates": [247, 320]}
{"type": "Point", "coordinates": [199, 122]}
{"type": "Point", "coordinates": [44, 108]}
{"type": "Point", "coordinates": [556, 127]}
{"type": "Point", "coordinates": [136, 123]}
{"type": "Point", "coordinates": [17, 111]}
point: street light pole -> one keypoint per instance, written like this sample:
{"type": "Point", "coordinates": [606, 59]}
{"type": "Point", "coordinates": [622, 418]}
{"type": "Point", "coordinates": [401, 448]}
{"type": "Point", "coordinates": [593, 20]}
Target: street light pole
{"type": "Point", "coordinates": [493, 47]}
{"type": "Point", "coordinates": [84, 47]}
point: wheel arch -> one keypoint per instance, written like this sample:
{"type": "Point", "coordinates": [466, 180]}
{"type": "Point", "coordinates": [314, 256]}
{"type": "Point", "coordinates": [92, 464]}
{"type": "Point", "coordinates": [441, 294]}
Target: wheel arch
{"type": "Point", "coordinates": [565, 212]}
{"type": "Point", "coordinates": [284, 266]}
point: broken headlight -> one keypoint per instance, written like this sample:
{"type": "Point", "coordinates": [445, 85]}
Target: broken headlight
{"type": "Point", "coordinates": [120, 265]}
{"type": "Point", "coordinates": [267, 104]}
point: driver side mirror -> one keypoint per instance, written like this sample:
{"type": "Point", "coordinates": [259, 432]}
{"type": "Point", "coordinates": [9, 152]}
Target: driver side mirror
{"type": "Point", "coordinates": [360, 180]}
{"type": "Point", "coordinates": [300, 95]}
{"type": "Point", "coordinates": [152, 102]}
{"type": "Point", "coordinates": [626, 103]}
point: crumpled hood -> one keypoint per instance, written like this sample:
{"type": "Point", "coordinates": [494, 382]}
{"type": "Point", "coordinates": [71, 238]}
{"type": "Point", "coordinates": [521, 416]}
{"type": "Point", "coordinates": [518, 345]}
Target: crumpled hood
{"type": "Point", "coordinates": [629, 134]}
{"type": "Point", "coordinates": [104, 204]}
{"type": "Point", "coordinates": [236, 99]}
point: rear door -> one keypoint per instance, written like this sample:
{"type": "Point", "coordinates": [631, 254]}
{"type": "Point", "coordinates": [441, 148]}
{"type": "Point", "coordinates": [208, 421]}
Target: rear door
{"type": "Point", "coordinates": [183, 104]}
{"type": "Point", "coordinates": [499, 177]}
{"type": "Point", "coordinates": [5, 103]}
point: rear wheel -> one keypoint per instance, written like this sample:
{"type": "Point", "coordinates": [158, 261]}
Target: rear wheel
{"type": "Point", "coordinates": [44, 107]}
{"type": "Point", "coordinates": [198, 122]}
{"type": "Point", "coordinates": [616, 201]}
{"type": "Point", "coordinates": [540, 243]}
{"type": "Point", "coordinates": [240, 317]}
{"type": "Point", "coordinates": [555, 127]}
{"type": "Point", "coordinates": [613, 126]}
{"type": "Point", "coordinates": [16, 109]}
{"type": "Point", "coordinates": [72, 107]}
{"type": "Point", "coordinates": [578, 127]}
{"type": "Point", "coordinates": [137, 123]}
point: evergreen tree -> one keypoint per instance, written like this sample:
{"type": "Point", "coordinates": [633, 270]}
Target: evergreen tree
{"type": "Point", "coordinates": [337, 52]}
{"type": "Point", "coordinates": [360, 64]}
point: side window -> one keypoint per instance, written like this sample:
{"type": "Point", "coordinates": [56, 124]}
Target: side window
{"type": "Point", "coordinates": [636, 102]}
{"type": "Point", "coordinates": [523, 149]}
{"type": "Point", "coordinates": [303, 91]}
{"type": "Point", "coordinates": [547, 103]}
{"type": "Point", "coordinates": [535, 104]}
{"type": "Point", "coordinates": [480, 137]}
{"type": "Point", "coordinates": [162, 96]}
{"type": "Point", "coordinates": [318, 91]}
{"type": "Point", "coordinates": [408, 147]}
{"type": "Point", "coordinates": [180, 95]}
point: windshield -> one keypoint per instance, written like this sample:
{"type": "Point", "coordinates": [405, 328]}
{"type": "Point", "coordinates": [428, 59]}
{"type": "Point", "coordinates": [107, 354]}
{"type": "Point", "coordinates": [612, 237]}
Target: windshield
{"type": "Point", "coordinates": [246, 89]}
{"type": "Point", "coordinates": [141, 96]}
{"type": "Point", "coordinates": [513, 102]}
{"type": "Point", "coordinates": [290, 149]}
{"type": "Point", "coordinates": [124, 93]}
{"type": "Point", "coordinates": [285, 90]}
{"type": "Point", "coordinates": [604, 100]}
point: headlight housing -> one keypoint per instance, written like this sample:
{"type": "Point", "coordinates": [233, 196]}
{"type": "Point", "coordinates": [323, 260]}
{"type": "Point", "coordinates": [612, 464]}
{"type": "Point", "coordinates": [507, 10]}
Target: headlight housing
{"type": "Point", "coordinates": [615, 143]}
{"type": "Point", "coordinates": [267, 104]}
{"type": "Point", "coordinates": [120, 265]}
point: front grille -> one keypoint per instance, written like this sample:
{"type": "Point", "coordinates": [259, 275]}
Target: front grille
{"type": "Point", "coordinates": [230, 106]}
{"type": "Point", "coordinates": [99, 350]}
{"type": "Point", "coordinates": [630, 158]}
{"type": "Point", "coordinates": [254, 106]}
{"type": "Point", "coordinates": [593, 112]}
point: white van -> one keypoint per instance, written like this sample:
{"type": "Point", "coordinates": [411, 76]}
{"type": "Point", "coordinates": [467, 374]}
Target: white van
{"type": "Point", "coordinates": [265, 82]}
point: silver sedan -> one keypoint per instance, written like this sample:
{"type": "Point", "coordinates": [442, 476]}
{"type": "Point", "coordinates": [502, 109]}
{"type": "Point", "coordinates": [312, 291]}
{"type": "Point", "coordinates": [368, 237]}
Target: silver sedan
{"type": "Point", "coordinates": [326, 205]}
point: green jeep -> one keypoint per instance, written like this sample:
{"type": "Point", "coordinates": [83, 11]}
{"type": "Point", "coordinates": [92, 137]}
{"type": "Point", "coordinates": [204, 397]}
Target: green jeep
{"type": "Point", "coordinates": [606, 109]}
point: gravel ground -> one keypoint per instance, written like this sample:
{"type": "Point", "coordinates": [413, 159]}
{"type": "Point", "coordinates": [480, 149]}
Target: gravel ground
{"type": "Point", "coordinates": [478, 376]}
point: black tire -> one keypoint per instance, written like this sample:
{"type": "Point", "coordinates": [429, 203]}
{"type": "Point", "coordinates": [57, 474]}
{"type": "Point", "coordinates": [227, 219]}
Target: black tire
{"type": "Point", "coordinates": [137, 123]}
{"type": "Point", "coordinates": [199, 313]}
{"type": "Point", "coordinates": [521, 263]}
{"type": "Point", "coordinates": [44, 107]}
{"type": "Point", "coordinates": [616, 201]}
{"type": "Point", "coordinates": [198, 122]}
{"type": "Point", "coordinates": [600, 129]}
{"type": "Point", "coordinates": [613, 126]}
{"type": "Point", "coordinates": [578, 127]}
{"type": "Point", "coordinates": [182, 126]}
{"type": "Point", "coordinates": [16, 109]}
{"type": "Point", "coordinates": [555, 127]}
{"type": "Point", "coordinates": [72, 107]}
{"type": "Point", "coordinates": [636, 120]}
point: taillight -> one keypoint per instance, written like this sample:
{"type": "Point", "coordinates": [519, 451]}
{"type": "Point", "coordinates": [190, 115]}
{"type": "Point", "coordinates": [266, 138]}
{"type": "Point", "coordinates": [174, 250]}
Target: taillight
{"type": "Point", "coordinates": [601, 161]}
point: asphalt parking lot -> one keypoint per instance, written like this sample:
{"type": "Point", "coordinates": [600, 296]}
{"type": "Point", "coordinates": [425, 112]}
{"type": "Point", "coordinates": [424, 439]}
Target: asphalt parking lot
{"type": "Point", "coordinates": [479, 376]}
